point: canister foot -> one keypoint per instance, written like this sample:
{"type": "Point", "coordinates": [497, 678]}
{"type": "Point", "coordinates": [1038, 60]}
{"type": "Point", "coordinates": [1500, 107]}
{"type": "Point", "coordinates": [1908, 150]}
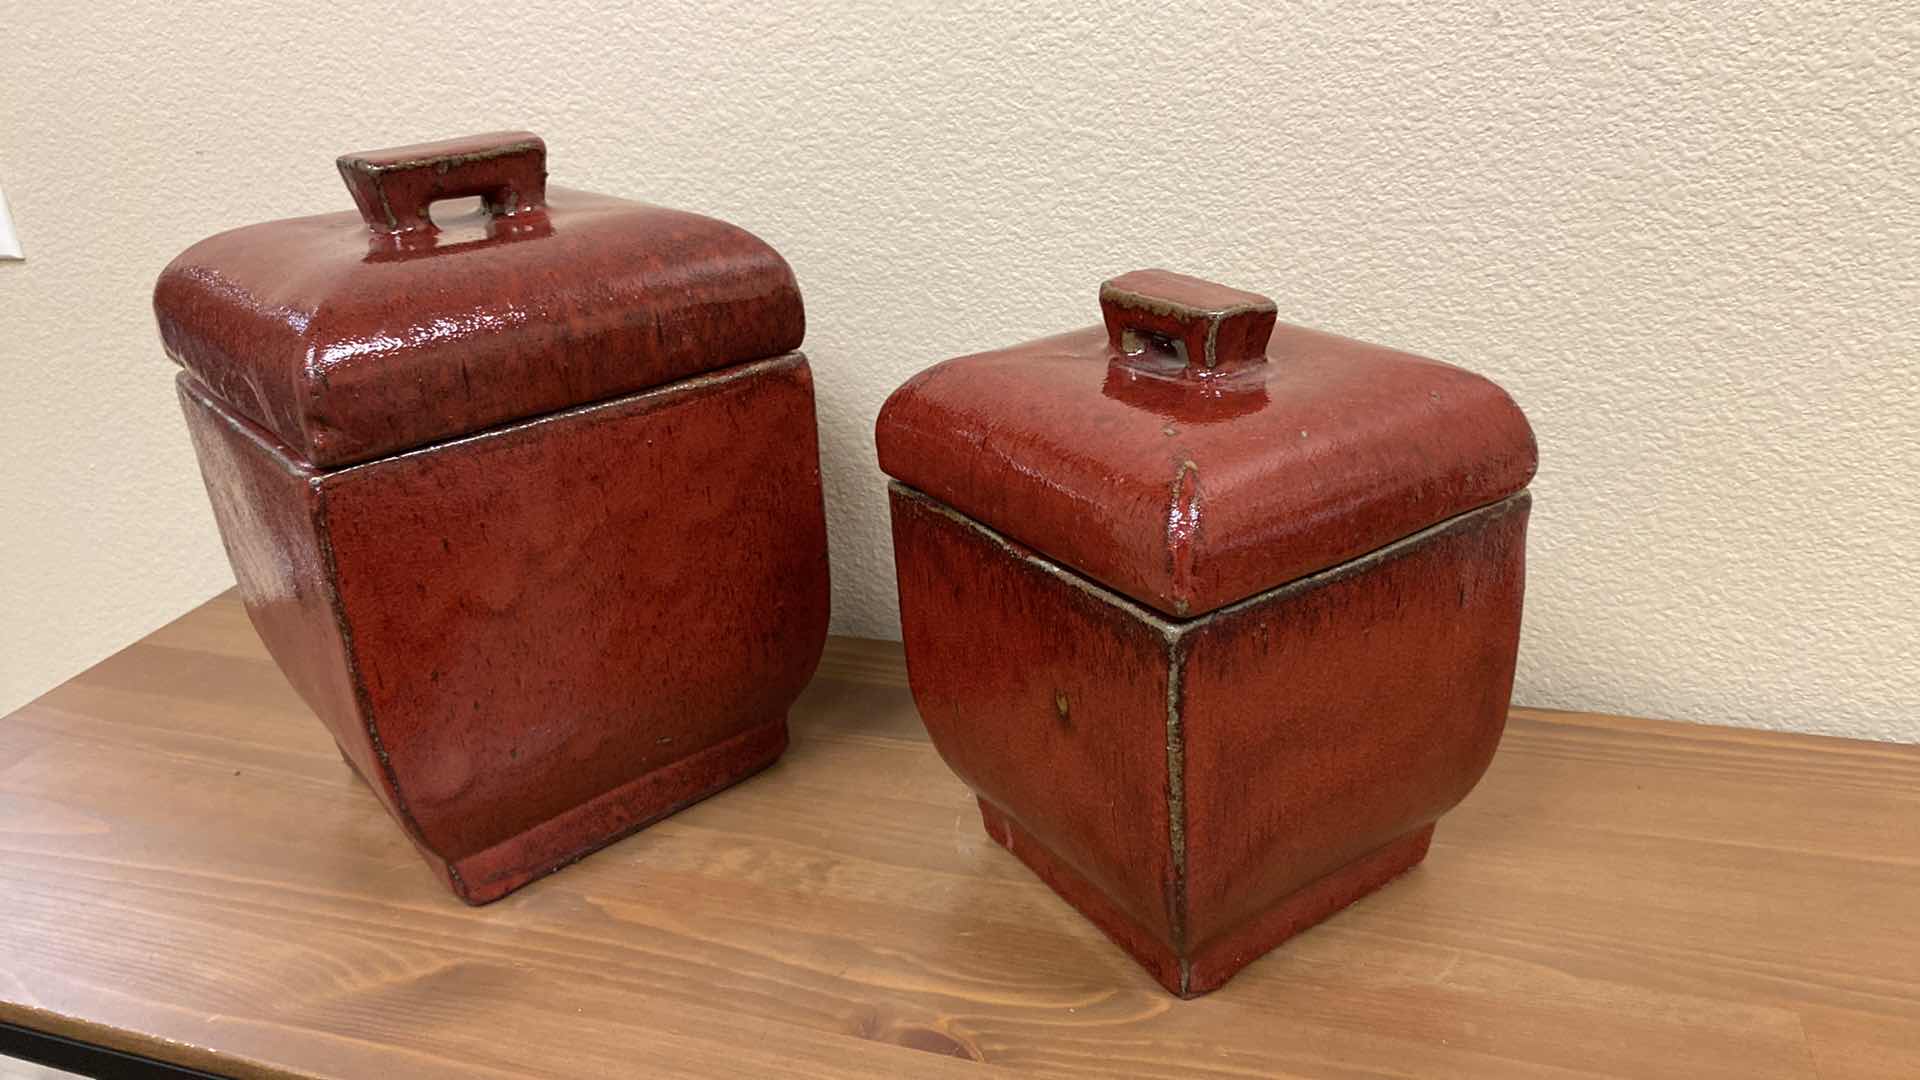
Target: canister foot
{"type": "Point", "coordinates": [1214, 962]}
{"type": "Point", "coordinates": [488, 875]}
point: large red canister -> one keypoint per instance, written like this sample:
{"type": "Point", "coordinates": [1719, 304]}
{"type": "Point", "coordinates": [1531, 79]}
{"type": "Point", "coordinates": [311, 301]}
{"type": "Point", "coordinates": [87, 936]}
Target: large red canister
{"type": "Point", "coordinates": [525, 502]}
{"type": "Point", "coordinates": [1215, 615]}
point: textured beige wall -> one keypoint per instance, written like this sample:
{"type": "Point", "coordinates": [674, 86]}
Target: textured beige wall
{"type": "Point", "coordinates": [1685, 239]}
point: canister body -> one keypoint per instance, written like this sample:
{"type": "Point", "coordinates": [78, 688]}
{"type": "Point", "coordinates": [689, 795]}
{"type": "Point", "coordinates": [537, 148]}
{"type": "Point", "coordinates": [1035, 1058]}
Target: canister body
{"type": "Point", "coordinates": [1204, 788]}
{"type": "Point", "coordinates": [534, 640]}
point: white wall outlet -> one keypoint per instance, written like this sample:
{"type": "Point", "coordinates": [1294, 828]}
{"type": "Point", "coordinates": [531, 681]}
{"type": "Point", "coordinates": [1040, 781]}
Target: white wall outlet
{"type": "Point", "coordinates": [9, 240]}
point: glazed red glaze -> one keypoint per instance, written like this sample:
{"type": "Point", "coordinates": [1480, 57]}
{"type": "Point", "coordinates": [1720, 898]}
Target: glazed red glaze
{"type": "Point", "coordinates": [393, 188]}
{"type": "Point", "coordinates": [1046, 697]}
{"type": "Point", "coordinates": [1341, 712]}
{"type": "Point", "coordinates": [350, 338]}
{"type": "Point", "coordinates": [511, 636]}
{"type": "Point", "coordinates": [533, 639]}
{"type": "Point", "coordinates": [1202, 325]}
{"type": "Point", "coordinates": [1204, 785]}
{"type": "Point", "coordinates": [1188, 487]}
{"type": "Point", "coordinates": [1185, 782]}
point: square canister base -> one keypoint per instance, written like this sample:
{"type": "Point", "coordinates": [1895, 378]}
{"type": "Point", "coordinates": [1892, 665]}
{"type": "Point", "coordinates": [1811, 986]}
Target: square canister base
{"type": "Point", "coordinates": [1211, 965]}
{"type": "Point", "coordinates": [486, 876]}
{"type": "Point", "coordinates": [534, 640]}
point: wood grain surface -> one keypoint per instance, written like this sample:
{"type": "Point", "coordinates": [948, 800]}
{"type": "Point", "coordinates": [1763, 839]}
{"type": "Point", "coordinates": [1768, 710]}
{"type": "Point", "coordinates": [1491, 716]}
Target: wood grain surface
{"type": "Point", "coordinates": [188, 871]}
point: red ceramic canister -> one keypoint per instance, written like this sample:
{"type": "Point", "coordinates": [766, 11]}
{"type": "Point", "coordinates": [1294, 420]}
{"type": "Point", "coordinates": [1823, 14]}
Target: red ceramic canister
{"type": "Point", "coordinates": [1215, 616]}
{"type": "Point", "coordinates": [525, 503]}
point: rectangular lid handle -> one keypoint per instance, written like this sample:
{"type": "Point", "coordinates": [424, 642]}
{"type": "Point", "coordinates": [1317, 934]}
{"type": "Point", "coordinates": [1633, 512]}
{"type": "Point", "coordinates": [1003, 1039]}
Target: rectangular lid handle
{"type": "Point", "coordinates": [392, 188]}
{"type": "Point", "coordinates": [1208, 327]}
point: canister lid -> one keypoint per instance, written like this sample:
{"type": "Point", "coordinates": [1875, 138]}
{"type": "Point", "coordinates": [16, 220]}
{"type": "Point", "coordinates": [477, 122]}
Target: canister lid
{"type": "Point", "coordinates": [1191, 453]}
{"type": "Point", "coordinates": [354, 335]}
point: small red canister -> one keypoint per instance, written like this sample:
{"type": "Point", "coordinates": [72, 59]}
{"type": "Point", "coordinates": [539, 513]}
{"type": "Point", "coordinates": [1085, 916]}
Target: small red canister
{"type": "Point", "coordinates": [526, 502]}
{"type": "Point", "coordinates": [1215, 617]}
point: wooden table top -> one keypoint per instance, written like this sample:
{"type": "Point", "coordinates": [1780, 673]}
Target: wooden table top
{"type": "Point", "coordinates": [188, 871]}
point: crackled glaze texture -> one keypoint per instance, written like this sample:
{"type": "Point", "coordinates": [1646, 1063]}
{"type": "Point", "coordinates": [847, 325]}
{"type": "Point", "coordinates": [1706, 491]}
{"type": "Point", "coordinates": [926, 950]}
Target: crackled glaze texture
{"type": "Point", "coordinates": [1188, 488]}
{"type": "Point", "coordinates": [1257, 724]}
{"type": "Point", "coordinates": [532, 639]}
{"type": "Point", "coordinates": [350, 336]}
